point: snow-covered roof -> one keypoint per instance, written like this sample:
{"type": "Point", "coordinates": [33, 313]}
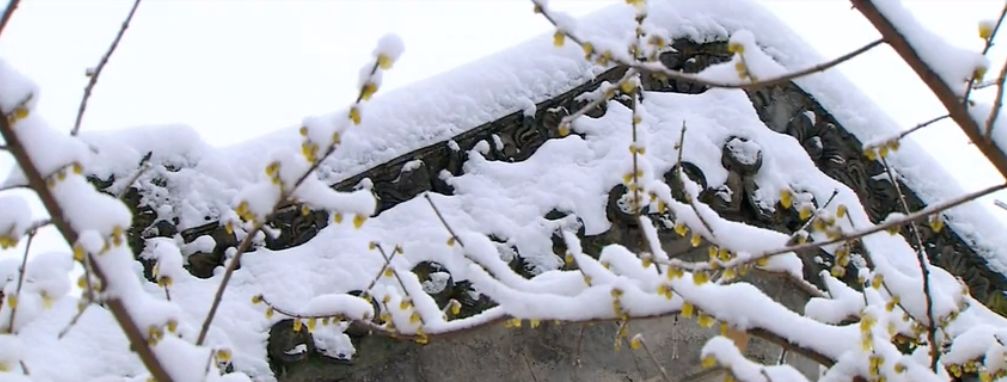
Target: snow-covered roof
{"type": "Point", "coordinates": [508, 200]}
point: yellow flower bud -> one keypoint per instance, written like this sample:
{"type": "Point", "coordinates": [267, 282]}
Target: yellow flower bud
{"type": "Point", "coordinates": [355, 115]}
{"type": "Point", "coordinates": [681, 229]}
{"type": "Point", "coordinates": [588, 50]}
{"type": "Point", "coordinates": [700, 277]}
{"type": "Point", "coordinates": [786, 199]}
{"type": "Point", "coordinates": [985, 30]}
{"type": "Point", "coordinates": [688, 309]}
{"type": "Point", "coordinates": [558, 38]}
{"type": "Point", "coordinates": [936, 223]}
{"type": "Point", "coordinates": [384, 62]}
{"type": "Point", "coordinates": [709, 361]}
{"type": "Point", "coordinates": [636, 343]}
{"type": "Point", "coordinates": [368, 90]}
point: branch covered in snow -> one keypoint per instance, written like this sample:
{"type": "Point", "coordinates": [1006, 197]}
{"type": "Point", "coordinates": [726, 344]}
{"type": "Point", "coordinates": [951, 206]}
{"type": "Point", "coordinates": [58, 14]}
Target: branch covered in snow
{"type": "Point", "coordinates": [605, 57]}
{"type": "Point", "coordinates": [59, 218]}
{"type": "Point", "coordinates": [929, 72]}
{"type": "Point", "coordinates": [848, 237]}
{"type": "Point", "coordinates": [289, 180]}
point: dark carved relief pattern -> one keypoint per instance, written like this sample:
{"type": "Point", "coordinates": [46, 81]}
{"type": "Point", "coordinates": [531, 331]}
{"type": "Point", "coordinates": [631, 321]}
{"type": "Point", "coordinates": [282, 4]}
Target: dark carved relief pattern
{"type": "Point", "coordinates": [838, 154]}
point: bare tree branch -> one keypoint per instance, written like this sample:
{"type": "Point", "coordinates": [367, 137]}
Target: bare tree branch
{"type": "Point", "coordinates": [93, 74]}
{"type": "Point", "coordinates": [7, 13]}
{"type": "Point", "coordinates": [443, 221]}
{"type": "Point", "coordinates": [653, 358]}
{"type": "Point", "coordinates": [22, 271]}
{"type": "Point", "coordinates": [285, 197]}
{"type": "Point", "coordinates": [218, 296]}
{"type": "Point", "coordinates": [924, 265]}
{"type": "Point", "coordinates": [144, 166]}
{"type": "Point", "coordinates": [682, 179]}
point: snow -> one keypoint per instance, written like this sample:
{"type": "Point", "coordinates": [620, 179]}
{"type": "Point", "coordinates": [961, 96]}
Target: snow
{"type": "Point", "coordinates": [15, 217]}
{"type": "Point", "coordinates": [747, 152]}
{"type": "Point", "coordinates": [188, 181]}
{"type": "Point", "coordinates": [390, 46]}
{"type": "Point", "coordinates": [726, 354]}
{"type": "Point", "coordinates": [954, 65]}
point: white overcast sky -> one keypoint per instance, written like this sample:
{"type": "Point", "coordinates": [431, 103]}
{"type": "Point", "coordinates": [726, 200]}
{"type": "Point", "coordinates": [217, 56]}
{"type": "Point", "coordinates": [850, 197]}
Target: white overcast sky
{"type": "Point", "coordinates": [235, 69]}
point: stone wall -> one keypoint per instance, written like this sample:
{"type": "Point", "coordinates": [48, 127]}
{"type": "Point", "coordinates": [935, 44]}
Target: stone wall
{"type": "Point", "coordinates": [549, 353]}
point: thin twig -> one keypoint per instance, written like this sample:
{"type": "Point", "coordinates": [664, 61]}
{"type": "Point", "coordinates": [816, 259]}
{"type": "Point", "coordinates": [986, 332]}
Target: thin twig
{"type": "Point", "coordinates": [73, 321]}
{"type": "Point", "coordinates": [814, 216]}
{"type": "Point", "coordinates": [1000, 203]}
{"type": "Point", "coordinates": [88, 283]}
{"type": "Point", "coordinates": [657, 67]}
{"type": "Point", "coordinates": [997, 104]}
{"type": "Point", "coordinates": [580, 339]}
{"type": "Point", "coordinates": [22, 271]}
{"type": "Point", "coordinates": [903, 134]}
{"type": "Point", "coordinates": [643, 343]}
{"type": "Point", "coordinates": [915, 216]}
{"type": "Point", "coordinates": [387, 263]}
{"type": "Point", "coordinates": [243, 247]}
{"type": "Point", "coordinates": [924, 268]}
{"type": "Point", "coordinates": [527, 364]}
{"type": "Point", "coordinates": [144, 166]}
{"type": "Point", "coordinates": [7, 13]}
{"type": "Point", "coordinates": [605, 96]}
{"type": "Point", "coordinates": [635, 189]}
{"type": "Point", "coordinates": [984, 85]}
{"type": "Point", "coordinates": [388, 260]}
{"type": "Point", "coordinates": [246, 243]}
{"type": "Point", "coordinates": [986, 47]}
{"type": "Point", "coordinates": [682, 179]}
{"type": "Point", "coordinates": [93, 74]}
{"type": "Point", "coordinates": [765, 374]}
{"type": "Point", "coordinates": [704, 375]}
{"type": "Point", "coordinates": [637, 151]}
{"type": "Point", "coordinates": [443, 221]}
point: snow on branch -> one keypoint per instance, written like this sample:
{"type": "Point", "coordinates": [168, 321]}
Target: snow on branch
{"type": "Point", "coordinates": [50, 194]}
{"type": "Point", "coordinates": [289, 180]}
{"type": "Point", "coordinates": [896, 26]}
{"type": "Point", "coordinates": [604, 58]}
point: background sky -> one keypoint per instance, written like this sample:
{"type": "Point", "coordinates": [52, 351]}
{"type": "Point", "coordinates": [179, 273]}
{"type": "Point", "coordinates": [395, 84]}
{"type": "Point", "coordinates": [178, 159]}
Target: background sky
{"type": "Point", "coordinates": [235, 69]}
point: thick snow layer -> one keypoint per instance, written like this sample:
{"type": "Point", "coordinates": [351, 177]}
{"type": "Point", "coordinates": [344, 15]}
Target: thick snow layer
{"type": "Point", "coordinates": [954, 65]}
